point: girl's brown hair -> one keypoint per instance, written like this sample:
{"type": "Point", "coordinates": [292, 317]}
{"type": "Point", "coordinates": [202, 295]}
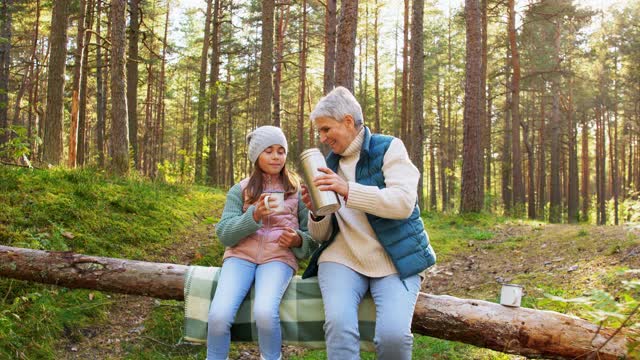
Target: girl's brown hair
{"type": "Point", "coordinates": [255, 187]}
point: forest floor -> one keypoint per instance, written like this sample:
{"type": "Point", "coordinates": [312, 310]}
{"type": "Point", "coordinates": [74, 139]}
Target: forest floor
{"type": "Point", "coordinates": [564, 260]}
{"type": "Point", "coordinates": [90, 212]}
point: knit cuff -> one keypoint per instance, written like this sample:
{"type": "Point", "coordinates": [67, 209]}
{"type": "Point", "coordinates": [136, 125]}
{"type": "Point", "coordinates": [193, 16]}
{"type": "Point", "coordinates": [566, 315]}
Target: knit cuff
{"type": "Point", "coordinates": [361, 197]}
{"type": "Point", "coordinates": [320, 230]}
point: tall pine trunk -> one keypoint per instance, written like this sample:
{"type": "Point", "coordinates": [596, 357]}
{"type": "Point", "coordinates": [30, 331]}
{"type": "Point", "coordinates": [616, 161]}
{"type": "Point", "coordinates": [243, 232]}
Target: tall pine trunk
{"type": "Point", "coordinates": [417, 82]}
{"type": "Point", "coordinates": [283, 22]}
{"type": "Point", "coordinates": [346, 44]}
{"type": "Point", "coordinates": [132, 78]}
{"type": "Point", "coordinates": [303, 78]}
{"type": "Point", "coordinates": [202, 93]}
{"type": "Point", "coordinates": [507, 191]}
{"type": "Point", "coordinates": [119, 117]}
{"type": "Point", "coordinates": [75, 91]}
{"type": "Point", "coordinates": [518, 185]}
{"type": "Point", "coordinates": [83, 144]}
{"type": "Point", "coordinates": [330, 23]}
{"type": "Point", "coordinates": [212, 161]}
{"type": "Point", "coordinates": [53, 126]}
{"type": "Point", "coordinates": [471, 199]}
{"type": "Point", "coordinates": [404, 107]}
{"type": "Point", "coordinates": [265, 93]}
{"type": "Point", "coordinates": [376, 71]}
{"type": "Point", "coordinates": [573, 214]}
{"type": "Point", "coordinates": [555, 209]}
{"type": "Point", "coordinates": [6, 12]}
{"type": "Point", "coordinates": [100, 89]}
{"type": "Point", "coordinates": [586, 200]}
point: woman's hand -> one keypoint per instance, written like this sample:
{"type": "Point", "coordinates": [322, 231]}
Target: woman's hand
{"type": "Point", "coordinates": [306, 198]}
{"type": "Point", "coordinates": [261, 209]}
{"type": "Point", "coordinates": [331, 181]}
{"type": "Point", "coordinates": [289, 238]}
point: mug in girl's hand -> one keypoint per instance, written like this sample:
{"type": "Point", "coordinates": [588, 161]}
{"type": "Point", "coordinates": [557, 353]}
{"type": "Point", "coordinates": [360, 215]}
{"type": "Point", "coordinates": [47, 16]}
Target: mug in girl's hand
{"type": "Point", "coordinates": [274, 201]}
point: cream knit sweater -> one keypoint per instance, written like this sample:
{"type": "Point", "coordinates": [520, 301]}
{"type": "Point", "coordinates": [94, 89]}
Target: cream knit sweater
{"type": "Point", "coordinates": [356, 245]}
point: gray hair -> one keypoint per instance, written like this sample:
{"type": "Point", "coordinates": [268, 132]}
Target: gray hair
{"type": "Point", "coordinates": [337, 104]}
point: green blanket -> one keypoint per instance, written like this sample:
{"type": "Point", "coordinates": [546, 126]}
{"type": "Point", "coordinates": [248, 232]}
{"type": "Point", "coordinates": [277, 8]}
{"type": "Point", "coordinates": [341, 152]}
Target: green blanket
{"type": "Point", "coordinates": [301, 312]}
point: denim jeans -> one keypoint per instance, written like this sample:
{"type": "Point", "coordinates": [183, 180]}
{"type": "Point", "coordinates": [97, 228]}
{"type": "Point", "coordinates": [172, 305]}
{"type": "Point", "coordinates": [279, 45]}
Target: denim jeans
{"type": "Point", "coordinates": [342, 290]}
{"type": "Point", "coordinates": [236, 278]}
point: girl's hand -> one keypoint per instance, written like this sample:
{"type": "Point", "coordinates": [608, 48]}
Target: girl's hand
{"type": "Point", "coordinates": [261, 210]}
{"type": "Point", "coordinates": [331, 181]}
{"type": "Point", "coordinates": [289, 238]}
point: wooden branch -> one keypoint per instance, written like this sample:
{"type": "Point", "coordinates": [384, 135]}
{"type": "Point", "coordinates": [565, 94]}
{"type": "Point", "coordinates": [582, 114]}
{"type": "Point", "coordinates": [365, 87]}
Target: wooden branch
{"type": "Point", "coordinates": [527, 332]}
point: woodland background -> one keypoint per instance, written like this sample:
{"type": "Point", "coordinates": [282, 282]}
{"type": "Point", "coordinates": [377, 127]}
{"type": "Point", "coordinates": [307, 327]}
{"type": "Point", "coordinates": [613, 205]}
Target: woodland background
{"type": "Point", "coordinates": [531, 109]}
{"type": "Point", "coordinates": [122, 123]}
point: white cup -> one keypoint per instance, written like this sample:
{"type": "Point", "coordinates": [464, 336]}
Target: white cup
{"type": "Point", "coordinates": [277, 199]}
{"type": "Point", "coordinates": [511, 295]}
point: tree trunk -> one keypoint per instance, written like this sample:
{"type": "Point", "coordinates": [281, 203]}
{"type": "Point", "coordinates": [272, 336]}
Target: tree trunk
{"type": "Point", "coordinates": [330, 23]}
{"type": "Point", "coordinates": [471, 199]}
{"type": "Point", "coordinates": [100, 113]}
{"type": "Point", "coordinates": [585, 169]}
{"type": "Point", "coordinates": [555, 208]}
{"type": "Point", "coordinates": [485, 121]}
{"type": "Point", "coordinates": [376, 71]}
{"type": "Point", "coordinates": [523, 331]}
{"type": "Point", "coordinates": [283, 23]}
{"type": "Point", "coordinates": [518, 185]}
{"type": "Point", "coordinates": [33, 76]}
{"type": "Point", "coordinates": [230, 170]}
{"type": "Point", "coordinates": [202, 93]}
{"type": "Point", "coordinates": [507, 193]}
{"type": "Point", "coordinates": [6, 12]}
{"type": "Point", "coordinates": [75, 90]}
{"type": "Point", "coordinates": [119, 118]}
{"type": "Point", "coordinates": [542, 159]}
{"type": "Point", "coordinates": [573, 214]}
{"type": "Point", "coordinates": [132, 79]}
{"type": "Point", "coordinates": [82, 148]}
{"type": "Point", "coordinates": [404, 105]}
{"type": "Point", "coordinates": [53, 126]}
{"type": "Point", "coordinates": [303, 78]}
{"type": "Point", "coordinates": [613, 145]}
{"type": "Point", "coordinates": [265, 93]}
{"type": "Point", "coordinates": [212, 161]}
{"type": "Point", "coordinates": [417, 83]}
{"type": "Point", "coordinates": [346, 44]}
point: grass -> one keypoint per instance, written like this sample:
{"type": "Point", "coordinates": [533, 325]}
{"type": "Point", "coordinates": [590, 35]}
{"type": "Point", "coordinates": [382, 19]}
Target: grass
{"type": "Point", "coordinates": [87, 212]}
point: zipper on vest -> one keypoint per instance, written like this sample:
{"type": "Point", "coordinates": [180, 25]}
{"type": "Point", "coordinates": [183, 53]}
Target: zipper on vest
{"type": "Point", "coordinates": [262, 239]}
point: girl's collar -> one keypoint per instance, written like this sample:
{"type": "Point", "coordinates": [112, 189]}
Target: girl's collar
{"type": "Point", "coordinates": [271, 182]}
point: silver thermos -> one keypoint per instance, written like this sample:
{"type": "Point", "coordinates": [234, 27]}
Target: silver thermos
{"type": "Point", "coordinates": [324, 202]}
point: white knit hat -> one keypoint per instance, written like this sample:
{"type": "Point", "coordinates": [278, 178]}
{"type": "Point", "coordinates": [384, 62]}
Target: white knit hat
{"type": "Point", "coordinates": [263, 137]}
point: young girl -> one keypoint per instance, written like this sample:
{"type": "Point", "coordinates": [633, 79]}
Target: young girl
{"type": "Point", "coordinates": [262, 245]}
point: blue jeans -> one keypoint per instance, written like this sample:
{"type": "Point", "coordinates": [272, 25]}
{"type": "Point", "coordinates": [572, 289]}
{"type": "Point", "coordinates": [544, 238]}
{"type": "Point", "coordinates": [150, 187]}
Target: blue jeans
{"type": "Point", "coordinates": [236, 278]}
{"type": "Point", "coordinates": [342, 290]}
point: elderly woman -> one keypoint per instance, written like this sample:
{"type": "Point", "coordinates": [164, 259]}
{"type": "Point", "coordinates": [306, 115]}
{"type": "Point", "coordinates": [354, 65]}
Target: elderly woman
{"type": "Point", "coordinates": [376, 241]}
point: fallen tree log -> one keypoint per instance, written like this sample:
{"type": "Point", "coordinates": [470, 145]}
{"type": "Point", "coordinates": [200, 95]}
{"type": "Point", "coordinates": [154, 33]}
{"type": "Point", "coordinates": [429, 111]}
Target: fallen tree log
{"type": "Point", "coordinates": [527, 332]}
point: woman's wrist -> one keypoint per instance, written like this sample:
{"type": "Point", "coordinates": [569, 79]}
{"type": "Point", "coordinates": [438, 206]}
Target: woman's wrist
{"type": "Point", "coordinates": [316, 218]}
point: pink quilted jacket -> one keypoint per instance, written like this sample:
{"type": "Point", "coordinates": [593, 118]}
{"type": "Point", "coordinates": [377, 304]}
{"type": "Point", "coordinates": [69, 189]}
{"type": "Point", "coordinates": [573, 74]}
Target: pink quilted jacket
{"type": "Point", "coordinates": [262, 246]}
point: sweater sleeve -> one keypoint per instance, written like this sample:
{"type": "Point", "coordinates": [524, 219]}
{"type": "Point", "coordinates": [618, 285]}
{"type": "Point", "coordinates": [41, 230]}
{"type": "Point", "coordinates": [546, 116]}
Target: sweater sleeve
{"type": "Point", "coordinates": [320, 230]}
{"type": "Point", "coordinates": [235, 225]}
{"type": "Point", "coordinates": [398, 198]}
{"type": "Point", "coordinates": [308, 245]}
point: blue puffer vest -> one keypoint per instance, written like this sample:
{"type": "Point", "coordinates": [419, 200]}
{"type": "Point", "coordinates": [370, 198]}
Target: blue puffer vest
{"type": "Point", "coordinates": [405, 240]}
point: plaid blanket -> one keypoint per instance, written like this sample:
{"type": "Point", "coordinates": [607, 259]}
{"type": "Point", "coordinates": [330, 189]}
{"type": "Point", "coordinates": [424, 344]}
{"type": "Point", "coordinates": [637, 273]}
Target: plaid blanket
{"type": "Point", "coordinates": [301, 312]}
